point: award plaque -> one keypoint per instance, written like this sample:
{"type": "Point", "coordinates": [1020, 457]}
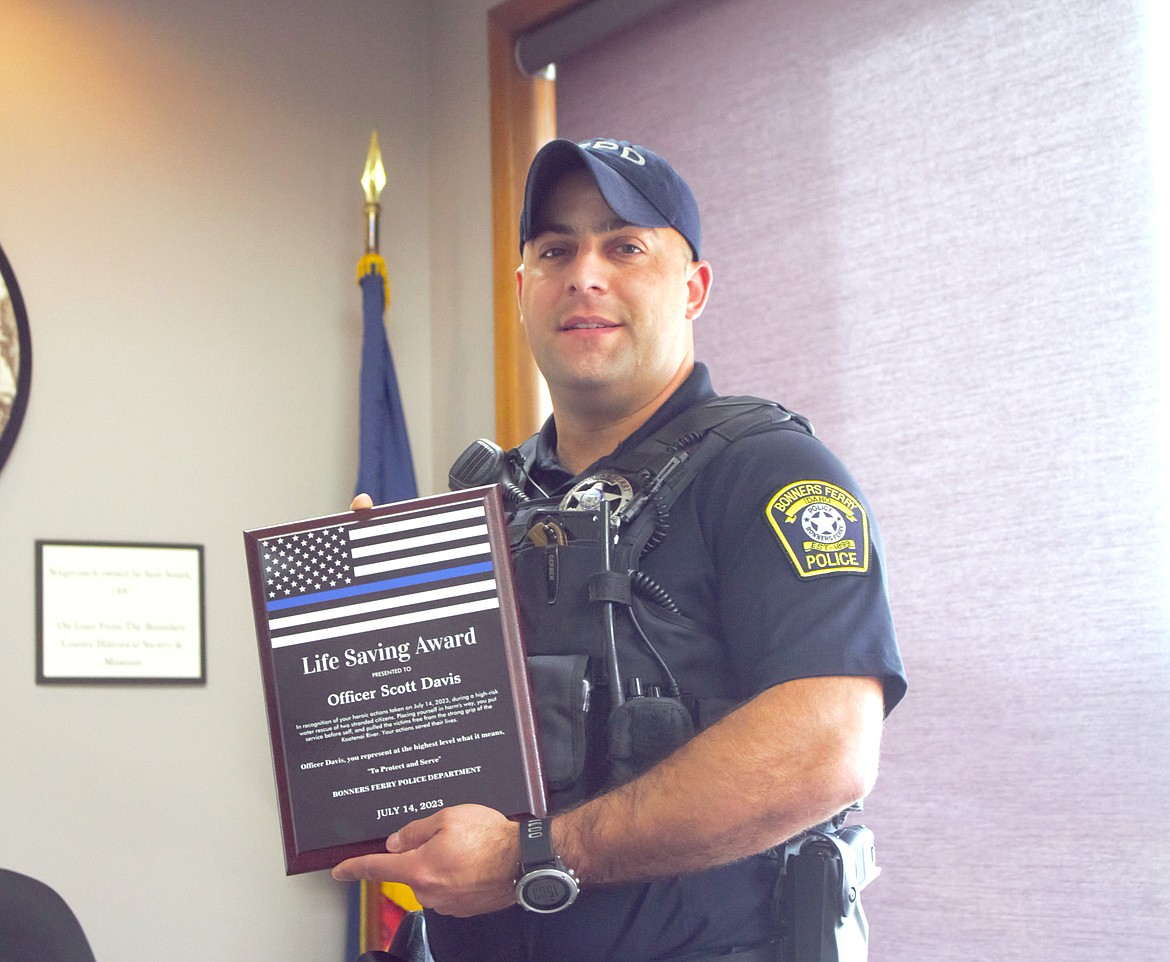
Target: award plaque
{"type": "Point", "coordinates": [393, 670]}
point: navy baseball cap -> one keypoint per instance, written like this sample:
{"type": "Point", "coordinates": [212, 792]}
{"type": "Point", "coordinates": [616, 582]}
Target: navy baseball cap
{"type": "Point", "coordinates": [638, 185]}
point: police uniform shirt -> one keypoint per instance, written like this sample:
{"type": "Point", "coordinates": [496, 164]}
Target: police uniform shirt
{"type": "Point", "coordinates": [775, 563]}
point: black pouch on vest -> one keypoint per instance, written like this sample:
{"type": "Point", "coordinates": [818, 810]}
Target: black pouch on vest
{"type": "Point", "coordinates": [643, 731]}
{"type": "Point", "coordinates": [819, 891]}
{"type": "Point", "coordinates": [560, 689]}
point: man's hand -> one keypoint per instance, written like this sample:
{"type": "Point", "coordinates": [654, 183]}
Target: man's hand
{"type": "Point", "coordinates": [461, 861]}
{"type": "Point", "coordinates": [361, 502]}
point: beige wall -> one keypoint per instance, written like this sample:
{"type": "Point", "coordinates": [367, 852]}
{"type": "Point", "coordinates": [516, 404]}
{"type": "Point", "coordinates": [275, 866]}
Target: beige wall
{"type": "Point", "coordinates": [179, 199]}
{"type": "Point", "coordinates": [460, 230]}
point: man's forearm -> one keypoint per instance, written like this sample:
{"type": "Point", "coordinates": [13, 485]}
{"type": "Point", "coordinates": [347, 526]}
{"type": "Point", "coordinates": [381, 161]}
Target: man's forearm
{"type": "Point", "coordinates": [792, 757]}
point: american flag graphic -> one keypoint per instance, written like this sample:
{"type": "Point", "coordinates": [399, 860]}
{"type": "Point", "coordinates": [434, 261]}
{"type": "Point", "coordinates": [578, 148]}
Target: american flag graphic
{"type": "Point", "coordinates": [364, 576]}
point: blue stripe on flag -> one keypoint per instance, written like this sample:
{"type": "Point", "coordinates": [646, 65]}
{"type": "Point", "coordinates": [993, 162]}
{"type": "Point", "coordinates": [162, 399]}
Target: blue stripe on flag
{"type": "Point", "coordinates": [389, 584]}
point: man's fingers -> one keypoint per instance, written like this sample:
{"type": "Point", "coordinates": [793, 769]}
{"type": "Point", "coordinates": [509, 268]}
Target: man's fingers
{"type": "Point", "coordinates": [361, 502]}
{"type": "Point", "coordinates": [374, 868]}
{"type": "Point", "coordinates": [348, 871]}
{"type": "Point", "coordinates": [371, 868]}
{"type": "Point", "coordinates": [415, 834]}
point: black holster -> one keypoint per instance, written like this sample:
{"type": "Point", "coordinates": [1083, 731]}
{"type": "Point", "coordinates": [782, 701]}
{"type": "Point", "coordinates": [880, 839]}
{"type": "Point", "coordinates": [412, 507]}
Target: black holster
{"type": "Point", "coordinates": [818, 895]}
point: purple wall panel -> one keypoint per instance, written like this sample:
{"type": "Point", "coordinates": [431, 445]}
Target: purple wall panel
{"type": "Point", "coordinates": [930, 224]}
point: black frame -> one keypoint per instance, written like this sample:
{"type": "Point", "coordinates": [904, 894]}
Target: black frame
{"type": "Point", "coordinates": [24, 376]}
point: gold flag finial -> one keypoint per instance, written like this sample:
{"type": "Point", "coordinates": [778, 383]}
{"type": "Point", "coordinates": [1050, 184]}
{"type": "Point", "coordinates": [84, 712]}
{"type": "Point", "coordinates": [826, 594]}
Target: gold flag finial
{"type": "Point", "coordinates": [373, 180]}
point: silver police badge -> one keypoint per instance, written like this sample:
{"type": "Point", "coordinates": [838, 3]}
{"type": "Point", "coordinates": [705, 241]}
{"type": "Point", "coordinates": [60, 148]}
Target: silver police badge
{"type": "Point", "coordinates": [588, 494]}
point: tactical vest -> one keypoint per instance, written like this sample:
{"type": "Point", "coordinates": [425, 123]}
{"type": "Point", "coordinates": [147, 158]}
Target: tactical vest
{"type": "Point", "coordinates": [621, 676]}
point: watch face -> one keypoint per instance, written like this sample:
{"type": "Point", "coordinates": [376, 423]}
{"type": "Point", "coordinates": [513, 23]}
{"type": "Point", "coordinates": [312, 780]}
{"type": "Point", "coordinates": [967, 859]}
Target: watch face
{"type": "Point", "coordinates": [549, 890]}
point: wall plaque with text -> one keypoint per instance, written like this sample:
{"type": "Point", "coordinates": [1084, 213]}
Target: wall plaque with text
{"type": "Point", "coordinates": [393, 671]}
{"type": "Point", "coordinates": [120, 612]}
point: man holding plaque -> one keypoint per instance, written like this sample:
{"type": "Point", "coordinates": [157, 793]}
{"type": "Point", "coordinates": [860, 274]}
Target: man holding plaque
{"type": "Point", "coordinates": [711, 674]}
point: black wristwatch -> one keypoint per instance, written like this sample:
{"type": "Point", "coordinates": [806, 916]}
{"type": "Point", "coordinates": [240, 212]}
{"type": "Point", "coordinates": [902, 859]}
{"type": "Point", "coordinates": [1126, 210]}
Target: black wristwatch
{"type": "Point", "coordinates": [545, 885]}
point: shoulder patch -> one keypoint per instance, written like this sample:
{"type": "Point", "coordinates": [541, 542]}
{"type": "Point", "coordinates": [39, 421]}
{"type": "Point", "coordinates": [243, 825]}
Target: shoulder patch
{"type": "Point", "coordinates": [823, 528]}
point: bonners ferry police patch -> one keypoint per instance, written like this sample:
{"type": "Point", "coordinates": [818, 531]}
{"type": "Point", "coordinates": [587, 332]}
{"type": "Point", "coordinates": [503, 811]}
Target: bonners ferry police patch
{"type": "Point", "coordinates": [823, 528]}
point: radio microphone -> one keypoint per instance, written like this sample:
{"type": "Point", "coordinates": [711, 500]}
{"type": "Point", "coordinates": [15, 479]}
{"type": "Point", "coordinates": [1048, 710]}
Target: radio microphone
{"type": "Point", "coordinates": [484, 462]}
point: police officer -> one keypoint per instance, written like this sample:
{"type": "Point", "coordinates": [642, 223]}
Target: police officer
{"type": "Point", "coordinates": [773, 561]}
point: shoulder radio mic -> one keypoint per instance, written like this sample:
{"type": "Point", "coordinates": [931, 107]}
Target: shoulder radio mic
{"type": "Point", "coordinates": [484, 462]}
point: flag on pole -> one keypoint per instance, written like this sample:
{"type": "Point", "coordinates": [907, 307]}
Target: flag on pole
{"type": "Point", "coordinates": [385, 473]}
{"type": "Point", "coordinates": [385, 467]}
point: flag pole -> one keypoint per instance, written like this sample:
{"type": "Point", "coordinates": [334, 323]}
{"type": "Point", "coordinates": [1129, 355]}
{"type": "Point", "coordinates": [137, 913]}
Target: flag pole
{"type": "Point", "coordinates": [386, 473]}
{"type": "Point", "coordinates": [385, 467]}
{"type": "Point", "coordinates": [373, 183]}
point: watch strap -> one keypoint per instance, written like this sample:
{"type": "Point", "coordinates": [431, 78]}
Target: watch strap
{"type": "Point", "coordinates": [536, 847]}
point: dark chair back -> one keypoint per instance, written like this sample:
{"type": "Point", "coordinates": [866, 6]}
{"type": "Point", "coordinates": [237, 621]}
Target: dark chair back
{"type": "Point", "coordinates": [36, 925]}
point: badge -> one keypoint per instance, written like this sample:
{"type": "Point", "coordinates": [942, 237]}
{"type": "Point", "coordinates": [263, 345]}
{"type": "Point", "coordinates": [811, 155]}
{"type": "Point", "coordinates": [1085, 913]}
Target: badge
{"type": "Point", "coordinates": [823, 528]}
{"type": "Point", "coordinates": [587, 495]}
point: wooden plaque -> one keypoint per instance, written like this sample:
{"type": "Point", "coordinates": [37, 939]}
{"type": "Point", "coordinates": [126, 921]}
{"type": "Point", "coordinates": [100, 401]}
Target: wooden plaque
{"type": "Point", "coordinates": [394, 673]}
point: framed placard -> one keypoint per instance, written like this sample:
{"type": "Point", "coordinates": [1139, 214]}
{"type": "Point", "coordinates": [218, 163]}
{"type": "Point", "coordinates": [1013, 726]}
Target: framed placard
{"type": "Point", "coordinates": [393, 669]}
{"type": "Point", "coordinates": [120, 612]}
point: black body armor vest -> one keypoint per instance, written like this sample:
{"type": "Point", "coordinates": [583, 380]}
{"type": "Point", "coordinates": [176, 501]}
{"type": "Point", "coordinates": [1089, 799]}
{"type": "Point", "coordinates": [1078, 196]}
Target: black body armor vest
{"type": "Point", "coordinates": [621, 677]}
